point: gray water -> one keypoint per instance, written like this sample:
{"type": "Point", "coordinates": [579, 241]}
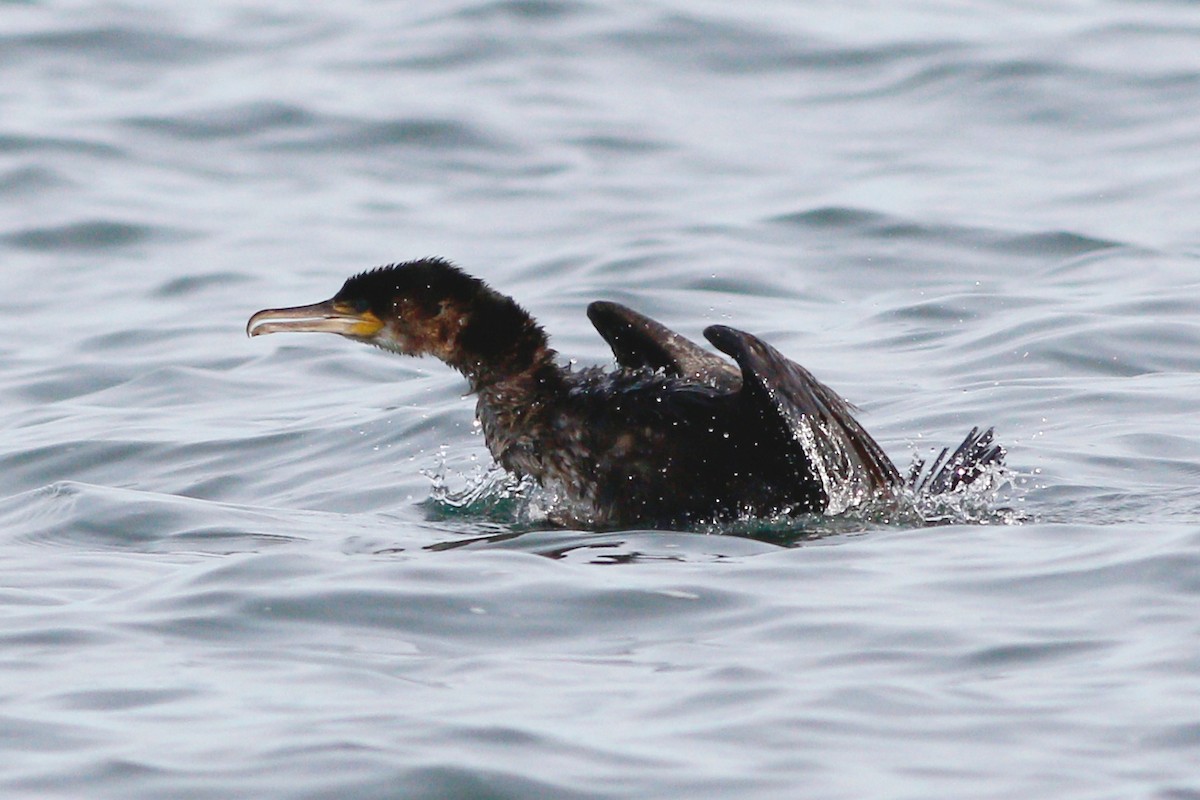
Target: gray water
{"type": "Point", "coordinates": [230, 567]}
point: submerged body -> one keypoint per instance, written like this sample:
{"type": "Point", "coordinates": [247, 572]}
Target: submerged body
{"type": "Point", "coordinates": [675, 435]}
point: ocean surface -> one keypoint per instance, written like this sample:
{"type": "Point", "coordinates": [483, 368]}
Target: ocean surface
{"type": "Point", "coordinates": [280, 567]}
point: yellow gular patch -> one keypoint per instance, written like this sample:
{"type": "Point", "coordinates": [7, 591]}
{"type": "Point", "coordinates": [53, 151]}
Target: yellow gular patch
{"type": "Point", "coordinates": [360, 323]}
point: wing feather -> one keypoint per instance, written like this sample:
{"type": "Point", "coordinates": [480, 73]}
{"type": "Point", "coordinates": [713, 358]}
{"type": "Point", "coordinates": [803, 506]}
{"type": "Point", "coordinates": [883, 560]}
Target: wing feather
{"type": "Point", "coordinates": [639, 342]}
{"type": "Point", "coordinates": [850, 464]}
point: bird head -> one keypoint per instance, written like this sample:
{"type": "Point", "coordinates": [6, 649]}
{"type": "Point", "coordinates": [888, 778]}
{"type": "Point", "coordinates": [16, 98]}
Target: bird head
{"type": "Point", "coordinates": [425, 307]}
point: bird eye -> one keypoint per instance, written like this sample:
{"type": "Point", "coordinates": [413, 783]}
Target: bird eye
{"type": "Point", "coordinates": [361, 305]}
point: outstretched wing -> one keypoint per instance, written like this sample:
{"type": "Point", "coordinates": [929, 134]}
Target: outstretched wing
{"type": "Point", "coordinates": [849, 463]}
{"type": "Point", "coordinates": [639, 342]}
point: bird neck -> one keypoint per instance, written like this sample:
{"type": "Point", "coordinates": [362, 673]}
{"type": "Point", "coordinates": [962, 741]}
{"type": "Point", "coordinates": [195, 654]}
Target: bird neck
{"type": "Point", "coordinates": [515, 410]}
{"type": "Point", "coordinates": [499, 347]}
{"type": "Point", "coordinates": [506, 358]}
{"type": "Point", "coordinates": [516, 377]}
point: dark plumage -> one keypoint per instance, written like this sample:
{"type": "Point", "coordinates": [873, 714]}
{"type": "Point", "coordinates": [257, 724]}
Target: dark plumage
{"type": "Point", "coordinates": [674, 436]}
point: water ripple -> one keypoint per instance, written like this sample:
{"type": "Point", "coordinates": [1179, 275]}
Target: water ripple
{"type": "Point", "coordinates": [227, 574]}
{"type": "Point", "coordinates": [227, 123]}
{"type": "Point", "coordinates": [1051, 244]}
{"type": "Point", "coordinates": [85, 236]}
{"type": "Point", "coordinates": [122, 45]}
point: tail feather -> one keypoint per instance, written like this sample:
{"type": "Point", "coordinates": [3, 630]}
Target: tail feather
{"type": "Point", "coordinates": [973, 457]}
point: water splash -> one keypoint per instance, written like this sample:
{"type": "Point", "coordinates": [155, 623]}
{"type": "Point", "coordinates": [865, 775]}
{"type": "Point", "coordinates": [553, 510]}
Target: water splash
{"type": "Point", "coordinates": [489, 500]}
{"type": "Point", "coordinates": [990, 498]}
{"type": "Point", "coordinates": [485, 496]}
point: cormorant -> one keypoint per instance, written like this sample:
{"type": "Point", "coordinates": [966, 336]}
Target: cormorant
{"type": "Point", "coordinates": [674, 436]}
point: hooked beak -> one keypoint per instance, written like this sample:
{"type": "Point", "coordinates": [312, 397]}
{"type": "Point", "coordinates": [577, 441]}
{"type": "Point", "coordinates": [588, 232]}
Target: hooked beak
{"type": "Point", "coordinates": [326, 317]}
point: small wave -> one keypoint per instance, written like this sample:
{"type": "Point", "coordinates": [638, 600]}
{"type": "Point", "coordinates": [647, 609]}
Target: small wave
{"type": "Point", "coordinates": [1057, 244]}
{"type": "Point", "coordinates": [330, 134]}
{"type": "Point", "coordinates": [84, 236]}
{"type": "Point", "coordinates": [737, 48]}
{"type": "Point", "coordinates": [520, 10]}
{"type": "Point", "coordinates": [29, 181]}
{"type": "Point", "coordinates": [227, 123]}
{"type": "Point", "coordinates": [186, 285]}
{"type": "Point", "coordinates": [83, 516]}
{"type": "Point", "coordinates": [112, 44]}
{"type": "Point", "coordinates": [16, 143]}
